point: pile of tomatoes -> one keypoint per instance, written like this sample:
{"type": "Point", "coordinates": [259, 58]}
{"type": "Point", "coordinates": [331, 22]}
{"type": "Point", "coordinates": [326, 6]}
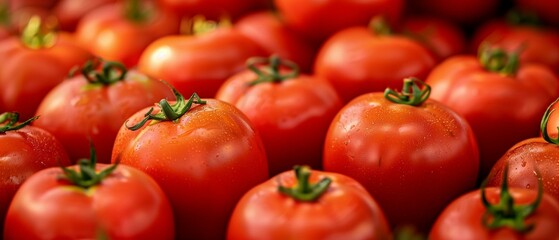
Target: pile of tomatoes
{"type": "Point", "coordinates": [279, 119]}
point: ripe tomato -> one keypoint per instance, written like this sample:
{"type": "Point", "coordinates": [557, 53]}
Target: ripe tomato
{"type": "Point", "coordinates": [90, 201]}
{"type": "Point", "coordinates": [505, 101]}
{"type": "Point", "coordinates": [70, 12]}
{"type": "Point", "coordinates": [213, 9]}
{"type": "Point", "coordinates": [360, 60]}
{"type": "Point", "coordinates": [121, 32]}
{"type": "Point", "coordinates": [30, 69]}
{"type": "Point", "coordinates": [198, 63]}
{"type": "Point", "coordinates": [538, 44]}
{"type": "Point", "coordinates": [270, 32]}
{"type": "Point", "coordinates": [205, 154]}
{"type": "Point", "coordinates": [493, 213]}
{"type": "Point", "coordinates": [413, 154]}
{"type": "Point", "coordinates": [463, 12]}
{"type": "Point", "coordinates": [291, 111]}
{"type": "Point", "coordinates": [24, 150]}
{"type": "Point", "coordinates": [305, 204]}
{"type": "Point", "coordinates": [534, 155]}
{"type": "Point", "coordinates": [95, 104]}
{"type": "Point", "coordinates": [318, 20]}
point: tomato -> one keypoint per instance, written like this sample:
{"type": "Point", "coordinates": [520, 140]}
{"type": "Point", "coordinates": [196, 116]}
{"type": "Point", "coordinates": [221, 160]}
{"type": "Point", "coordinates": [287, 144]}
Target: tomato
{"type": "Point", "coordinates": [270, 32]}
{"type": "Point", "coordinates": [213, 9]}
{"type": "Point", "coordinates": [534, 155]}
{"type": "Point", "coordinates": [413, 154]}
{"type": "Point", "coordinates": [90, 201]}
{"type": "Point", "coordinates": [443, 38]}
{"type": "Point", "coordinates": [318, 20]}
{"type": "Point", "coordinates": [305, 204]}
{"type": "Point", "coordinates": [32, 68]}
{"type": "Point", "coordinates": [463, 12]}
{"type": "Point", "coordinates": [546, 10]}
{"type": "Point", "coordinates": [121, 32]}
{"type": "Point", "coordinates": [24, 150]}
{"type": "Point", "coordinates": [505, 101]}
{"type": "Point", "coordinates": [360, 60]}
{"type": "Point", "coordinates": [499, 213]}
{"type": "Point", "coordinates": [205, 154]}
{"type": "Point", "coordinates": [95, 104]}
{"type": "Point", "coordinates": [291, 111]}
{"type": "Point", "coordinates": [70, 12]}
{"type": "Point", "coordinates": [538, 44]}
{"type": "Point", "coordinates": [16, 5]}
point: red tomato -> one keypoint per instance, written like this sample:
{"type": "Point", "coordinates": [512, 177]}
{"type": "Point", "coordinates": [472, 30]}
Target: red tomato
{"type": "Point", "coordinates": [360, 60]}
{"type": "Point", "coordinates": [502, 101]}
{"type": "Point", "coordinates": [270, 32]}
{"type": "Point", "coordinates": [292, 112]}
{"type": "Point", "coordinates": [70, 12]}
{"type": "Point", "coordinates": [413, 159]}
{"type": "Point", "coordinates": [463, 12]}
{"type": "Point", "coordinates": [86, 201]}
{"type": "Point", "coordinates": [121, 33]}
{"type": "Point", "coordinates": [95, 104]}
{"type": "Point", "coordinates": [24, 150]}
{"type": "Point", "coordinates": [547, 10]}
{"type": "Point", "coordinates": [205, 154]}
{"type": "Point", "coordinates": [443, 38]}
{"type": "Point", "coordinates": [31, 69]}
{"type": "Point", "coordinates": [534, 155]}
{"type": "Point", "coordinates": [213, 9]}
{"type": "Point", "coordinates": [19, 4]}
{"type": "Point", "coordinates": [538, 44]}
{"type": "Point", "coordinates": [493, 213]}
{"type": "Point", "coordinates": [198, 63]}
{"type": "Point", "coordinates": [318, 20]}
{"type": "Point", "coordinates": [308, 205]}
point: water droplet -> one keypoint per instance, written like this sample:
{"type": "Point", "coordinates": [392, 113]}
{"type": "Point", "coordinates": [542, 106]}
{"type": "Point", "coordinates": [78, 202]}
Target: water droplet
{"type": "Point", "coordinates": [527, 186]}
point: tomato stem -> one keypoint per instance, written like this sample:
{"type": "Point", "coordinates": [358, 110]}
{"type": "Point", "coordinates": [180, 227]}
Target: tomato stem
{"type": "Point", "coordinates": [303, 190]}
{"type": "Point", "coordinates": [499, 61]}
{"type": "Point", "coordinates": [87, 175]}
{"type": "Point", "coordinates": [99, 71]}
{"type": "Point", "coordinates": [527, 18]}
{"type": "Point", "coordinates": [12, 118]}
{"type": "Point", "coordinates": [36, 36]}
{"type": "Point", "coordinates": [168, 112]}
{"type": "Point", "coordinates": [411, 93]}
{"type": "Point", "coordinates": [4, 14]}
{"type": "Point", "coordinates": [136, 12]}
{"type": "Point", "coordinates": [271, 69]}
{"type": "Point", "coordinates": [506, 213]}
{"type": "Point", "coordinates": [545, 121]}
{"type": "Point", "coordinates": [380, 26]}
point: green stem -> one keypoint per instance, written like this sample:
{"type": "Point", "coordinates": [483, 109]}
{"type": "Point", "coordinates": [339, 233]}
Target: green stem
{"type": "Point", "coordinates": [9, 120]}
{"type": "Point", "coordinates": [380, 26]}
{"type": "Point", "coordinates": [136, 12]}
{"type": "Point", "coordinates": [35, 36]}
{"type": "Point", "coordinates": [99, 71]}
{"type": "Point", "coordinates": [525, 18]}
{"type": "Point", "coordinates": [87, 176]}
{"type": "Point", "coordinates": [303, 190]}
{"type": "Point", "coordinates": [506, 213]}
{"type": "Point", "coordinates": [169, 112]}
{"type": "Point", "coordinates": [272, 69]}
{"type": "Point", "coordinates": [411, 93]}
{"type": "Point", "coordinates": [4, 14]}
{"type": "Point", "coordinates": [499, 61]}
{"type": "Point", "coordinates": [544, 122]}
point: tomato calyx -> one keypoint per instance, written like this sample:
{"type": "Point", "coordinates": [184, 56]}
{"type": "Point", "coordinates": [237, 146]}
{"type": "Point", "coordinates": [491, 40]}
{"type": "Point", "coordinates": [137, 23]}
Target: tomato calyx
{"type": "Point", "coordinates": [380, 26]}
{"type": "Point", "coordinates": [199, 25]}
{"type": "Point", "coordinates": [271, 71]}
{"type": "Point", "coordinates": [37, 35]}
{"type": "Point", "coordinates": [523, 18]}
{"type": "Point", "coordinates": [498, 60]}
{"type": "Point", "coordinates": [87, 176]}
{"type": "Point", "coordinates": [136, 12]}
{"type": "Point", "coordinates": [411, 93]}
{"type": "Point", "coordinates": [99, 71]}
{"type": "Point", "coordinates": [303, 190]}
{"type": "Point", "coordinates": [545, 121]}
{"type": "Point", "coordinates": [506, 213]}
{"type": "Point", "coordinates": [11, 119]}
{"type": "Point", "coordinates": [169, 112]}
{"type": "Point", "coordinates": [4, 14]}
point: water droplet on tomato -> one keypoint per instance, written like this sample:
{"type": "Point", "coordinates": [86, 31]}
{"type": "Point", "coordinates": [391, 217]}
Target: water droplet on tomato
{"type": "Point", "coordinates": [527, 186]}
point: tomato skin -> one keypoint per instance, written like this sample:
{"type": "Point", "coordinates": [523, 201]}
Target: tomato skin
{"type": "Point", "coordinates": [24, 152]}
{"type": "Point", "coordinates": [78, 112]}
{"type": "Point", "coordinates": [109, 34]}
{"type": "Point", "coordinates": [523, 159]}
{"type": "Point", "coordinates": [70, 12]}
{"type": "Point", "coordinates": [292, 116]}
{"type": "Point", "coordinates": [413, 160]}
{"type": "Point", "coordinates": [127, 205]}
{"type": "Point", "coordinates": [27, 75]}
{"type": "Point", "coordinates": [318, 20]}
{"type": "Point", "coordinates": [212, 151]}
{"type": "Point", "coordinates": [501, 109]}
{"type": "Point", "coordinates": [269, 31]}
{"type": "Point", "coordinates": [198, 63]}
{"type": "Point", "coordinates": [357, 61]}
{"type": "Point", "coordinates": [212, 9]}
{"type": "Point", "coordinates": [538, 44]}
{"type": "Point", "coordinates": [345, 211]}
{"type": "Point", "coordinates": [462, 218]}
{"type": "Point", "coordinates": [463, 12]}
